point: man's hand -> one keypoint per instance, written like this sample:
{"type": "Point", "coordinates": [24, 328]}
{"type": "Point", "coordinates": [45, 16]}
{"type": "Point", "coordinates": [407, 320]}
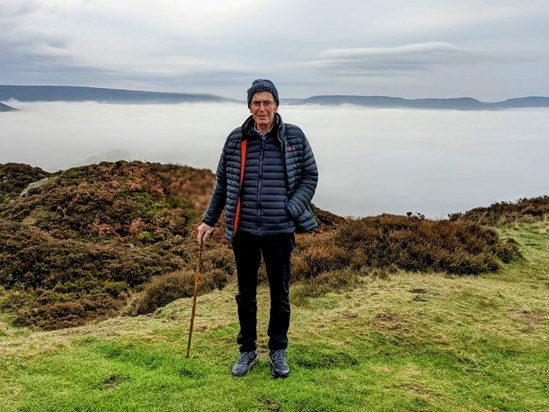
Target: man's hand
{"type": "Point", "coordinates": [204, 231]}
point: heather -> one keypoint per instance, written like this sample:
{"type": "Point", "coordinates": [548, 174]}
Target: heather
{"type": "Point", "coordinates": [83, 245]}
{"type": "Point", "coordinates": [503, 213]}
{"type": "Point", "coordinates": [111, 239]}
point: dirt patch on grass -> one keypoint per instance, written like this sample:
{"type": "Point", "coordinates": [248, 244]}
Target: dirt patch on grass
{"type": "Point", "coordinates": [527, 316]}
{"type": "Point", "coordinates": [271, 404]}
{"type": "Point", "coordinates": [113, 381]}
{"type": "Point", "coordinates": [390, 321]}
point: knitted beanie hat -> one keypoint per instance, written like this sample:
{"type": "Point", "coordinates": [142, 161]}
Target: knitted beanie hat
{"type": "Point", "coordinates": [262, 85]}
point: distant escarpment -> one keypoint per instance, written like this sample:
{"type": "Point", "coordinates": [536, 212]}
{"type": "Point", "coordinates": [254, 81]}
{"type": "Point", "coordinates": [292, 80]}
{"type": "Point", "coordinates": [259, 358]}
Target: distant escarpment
{"type": "Point", "coordinates": [118, 238]}
{"type": "Point", "coordinates": [98, 94]}
{"type": "Point", "coordinates": [25, 93]}
{"type": "Point", "coordinates": [460, 103]}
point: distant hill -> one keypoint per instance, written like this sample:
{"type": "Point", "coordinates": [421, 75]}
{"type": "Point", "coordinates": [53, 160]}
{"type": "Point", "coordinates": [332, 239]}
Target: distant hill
{"type": "Point", "coordinates": [81, 94]}
{"type": "Point", "coordinates": [462, 103]}
{"type": "Point", "coordinates": [532, 101]}
{"type": "Point", "coordinates": [103, 95]}
{"type": "Point", "coordinates": [6, 108]}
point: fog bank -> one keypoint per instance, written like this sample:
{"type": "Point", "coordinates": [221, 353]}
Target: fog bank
{"type": "Point", "coordinates": [371, 161]}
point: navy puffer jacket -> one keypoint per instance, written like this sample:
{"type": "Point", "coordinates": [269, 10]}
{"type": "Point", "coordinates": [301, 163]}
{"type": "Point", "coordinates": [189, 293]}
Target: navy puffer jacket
{"type": "Point", "coordinates": [263, 200]}
{"type": "Point", "coordinates": [300, 171]}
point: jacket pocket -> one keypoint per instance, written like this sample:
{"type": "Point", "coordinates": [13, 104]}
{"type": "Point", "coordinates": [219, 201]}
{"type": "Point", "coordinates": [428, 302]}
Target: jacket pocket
{"type": "Point", "coordinates": [305, 222]}
{"type": "Point", "coordinates": [289, 210]}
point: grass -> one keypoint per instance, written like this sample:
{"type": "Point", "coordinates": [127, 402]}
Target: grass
{"type": "Point", "coordinates": [403, 342]}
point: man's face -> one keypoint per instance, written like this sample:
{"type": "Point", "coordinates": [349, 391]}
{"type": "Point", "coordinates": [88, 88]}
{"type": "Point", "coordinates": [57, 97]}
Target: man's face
{"type": "Point", "coordinates": [263, 109]}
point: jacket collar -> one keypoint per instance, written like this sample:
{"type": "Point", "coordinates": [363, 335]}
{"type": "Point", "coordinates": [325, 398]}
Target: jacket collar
{"type": "Point", "coordinates": [248, 128]}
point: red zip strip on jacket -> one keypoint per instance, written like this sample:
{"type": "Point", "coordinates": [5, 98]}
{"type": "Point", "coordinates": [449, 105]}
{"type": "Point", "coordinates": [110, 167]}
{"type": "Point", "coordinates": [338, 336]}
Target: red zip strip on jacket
{"type": "Point", "coordinates": [243, 150]}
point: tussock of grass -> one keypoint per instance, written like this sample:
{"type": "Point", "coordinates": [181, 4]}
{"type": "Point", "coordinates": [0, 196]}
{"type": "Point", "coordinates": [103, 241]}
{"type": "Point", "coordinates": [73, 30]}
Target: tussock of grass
{"type": "Point", "coordinates": [324, 283]}
{"type": "Point", "coordinates": [172, 286]}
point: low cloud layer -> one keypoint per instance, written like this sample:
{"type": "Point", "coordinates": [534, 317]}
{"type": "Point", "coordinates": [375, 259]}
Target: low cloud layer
{"type": "Point", "coordinates": [371, 161]}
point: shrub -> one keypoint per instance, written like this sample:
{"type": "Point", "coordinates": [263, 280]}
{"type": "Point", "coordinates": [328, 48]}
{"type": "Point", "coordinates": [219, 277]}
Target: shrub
{"type": "Point", "coordinates": [319, 258]}
{"type": "Point", "coordinates": [57, 314]}
{"type": "Point", "coordinates": [15, 177]}
{"type": "Point", "coordinates": [410, 243]}
{"type": "Point", "coordinates": [523, 210]}
{"type": "Point", "coordinates": [165, 289]}
{"type": "Point", "coordinates": [106, 200]}
{"type": "Point", "coordinates": [47, 280]}
{"type": "Point", "coordinates": [99, 233]}
{"type": "Point", "coordinates": [12, 300]}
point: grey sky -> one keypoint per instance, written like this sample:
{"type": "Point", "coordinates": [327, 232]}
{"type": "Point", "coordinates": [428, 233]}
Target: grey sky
{"type": "Point", "coordinates": [490, 49]}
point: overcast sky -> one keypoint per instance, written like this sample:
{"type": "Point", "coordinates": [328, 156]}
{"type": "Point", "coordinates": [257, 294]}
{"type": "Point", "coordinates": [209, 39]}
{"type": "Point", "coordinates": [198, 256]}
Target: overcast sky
{"type": "Point", "coordinates": [487, 49]}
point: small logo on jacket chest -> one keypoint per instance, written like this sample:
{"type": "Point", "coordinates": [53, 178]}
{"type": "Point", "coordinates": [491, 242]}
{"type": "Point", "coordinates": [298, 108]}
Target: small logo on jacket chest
{"type": "Point", "coordinates": [291, 148]}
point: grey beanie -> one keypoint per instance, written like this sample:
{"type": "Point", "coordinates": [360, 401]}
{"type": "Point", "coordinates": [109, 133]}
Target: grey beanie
{"type": "Point", "coordinates": [262, 85]}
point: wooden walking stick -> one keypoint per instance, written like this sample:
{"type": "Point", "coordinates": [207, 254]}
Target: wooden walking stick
{"type": "Point", "coordinates": [196, 275]}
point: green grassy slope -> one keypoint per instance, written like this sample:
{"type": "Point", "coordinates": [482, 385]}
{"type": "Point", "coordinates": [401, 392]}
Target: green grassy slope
{"type": "Point", "coordinates": [402, 342]}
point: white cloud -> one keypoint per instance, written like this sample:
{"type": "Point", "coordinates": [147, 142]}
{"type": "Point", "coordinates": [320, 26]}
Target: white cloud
{"type": "Point", "coordinates": [372, 60]}
{"type": "Point", "coordinates": [407, 50]}
{"type": "Point", "coordinates": [38, 42]}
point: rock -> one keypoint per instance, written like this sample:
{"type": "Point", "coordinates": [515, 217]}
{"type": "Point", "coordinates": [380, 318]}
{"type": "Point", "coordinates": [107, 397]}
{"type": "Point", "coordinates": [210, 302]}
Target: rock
{"type": "Point", "coordinates": [34, 185]}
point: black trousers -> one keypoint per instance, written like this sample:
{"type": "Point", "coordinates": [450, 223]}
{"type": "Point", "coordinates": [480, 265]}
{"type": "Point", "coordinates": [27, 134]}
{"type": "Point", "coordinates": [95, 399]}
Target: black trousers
{"type": "Point", "coordinates": [276, 251]}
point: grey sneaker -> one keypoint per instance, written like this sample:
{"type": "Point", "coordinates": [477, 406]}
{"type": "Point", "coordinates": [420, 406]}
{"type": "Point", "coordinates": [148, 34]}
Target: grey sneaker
{"type": "Point", "coordinates": [244, 363]}
{"type": "Point", "coordinates": [278, 361]}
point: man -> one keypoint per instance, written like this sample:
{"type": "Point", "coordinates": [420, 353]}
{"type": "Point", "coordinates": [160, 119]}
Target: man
{"type": "Point", "coordinates": [266, 179]}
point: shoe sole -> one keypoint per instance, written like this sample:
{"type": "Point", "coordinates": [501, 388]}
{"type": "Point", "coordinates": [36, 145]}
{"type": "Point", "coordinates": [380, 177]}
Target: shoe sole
{"type": "Point", "coordinates": [252, 363]}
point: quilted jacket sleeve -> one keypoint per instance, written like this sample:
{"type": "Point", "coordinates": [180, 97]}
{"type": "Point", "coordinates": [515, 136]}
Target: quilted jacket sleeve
{"type": "Point", "coordinates": [219, 195]}
{"type": "Point", "coordinates": [305, 188]}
